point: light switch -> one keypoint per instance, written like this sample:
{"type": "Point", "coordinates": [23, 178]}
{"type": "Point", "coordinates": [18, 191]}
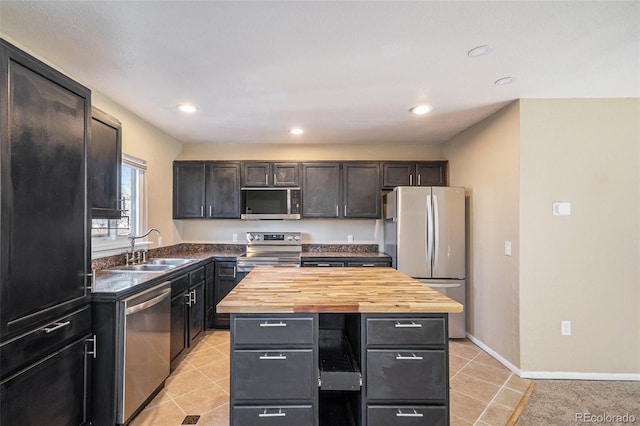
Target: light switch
{"type": "Point", "coordinates": [562, 209]}
{"type": "Point", "coordinates": [507, 248]}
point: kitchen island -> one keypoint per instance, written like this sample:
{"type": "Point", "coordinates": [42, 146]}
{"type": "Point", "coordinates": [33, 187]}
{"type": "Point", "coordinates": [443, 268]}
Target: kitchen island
{"type": "Point", "coordinates": [338, 346]}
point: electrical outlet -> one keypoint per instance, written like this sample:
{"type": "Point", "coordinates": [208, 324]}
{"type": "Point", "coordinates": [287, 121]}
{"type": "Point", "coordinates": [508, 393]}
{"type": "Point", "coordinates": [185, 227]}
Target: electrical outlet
{"type": "Point", "coordinates": [507, 248]}
{"type": "Point", "coordinates": [234, 238]}
{"type": "Point", "coordinates": [350, 239]}
{"type": "Point", "coordinates": [565, 328]}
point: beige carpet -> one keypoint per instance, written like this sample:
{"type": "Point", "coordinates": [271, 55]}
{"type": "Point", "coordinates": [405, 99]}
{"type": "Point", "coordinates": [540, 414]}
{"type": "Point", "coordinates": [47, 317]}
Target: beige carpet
{"type": "Point", "coordinates": [571, 402]}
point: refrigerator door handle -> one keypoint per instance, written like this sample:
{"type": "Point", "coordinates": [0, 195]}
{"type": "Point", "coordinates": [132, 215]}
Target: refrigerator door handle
{"type": "Point", "coordinates": [444, 285]}
{"type": "Point", "coordinates": [436, 228]}
{"type": "Point", "coordinates": [429, 231]}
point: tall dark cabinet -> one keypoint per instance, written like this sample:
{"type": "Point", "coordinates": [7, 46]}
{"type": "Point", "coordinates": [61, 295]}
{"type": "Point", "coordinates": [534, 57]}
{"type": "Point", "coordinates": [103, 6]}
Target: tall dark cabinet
{"type": "Point", "coordinates": [45, 318]}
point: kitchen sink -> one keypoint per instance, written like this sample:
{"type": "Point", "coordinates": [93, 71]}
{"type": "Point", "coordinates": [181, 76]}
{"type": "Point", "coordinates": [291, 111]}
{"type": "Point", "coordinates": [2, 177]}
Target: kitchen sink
{"type": "Point", "coordinates": [144, 267]}
{"type": "Point", "coordinates": [168, 261]}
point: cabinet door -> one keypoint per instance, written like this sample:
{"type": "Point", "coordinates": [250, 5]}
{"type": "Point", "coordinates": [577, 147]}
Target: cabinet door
{"type": "Point", "coordinates": [188, 190]}
{"type": "Point", "coordinates": [226, 279]}
{"type": "Point", "coordinates": [105, 162]}
{"type": "Point", "coordinates": [320, 190]}
{"type": "Point", "coordinates": [196, 312]}
{"type": "Point", "coordinates": [286, 174]}
{"type": "Point", "coordinates": [178, 325]}
{"type": "Point", "coordinates": [256, 174]}
{"type": "Point", "coordinates": [398, 174]}
{"type": "Point", "coordinates": [223, 190]}
{"type": "Point", "coordinates": [209, 295]}
{"type": "Point", "coordinates": [431, 173]}
{"type": "Point", "coordinates": [44, 123]}
{"type": "Point", "coordinates": [361, 194]}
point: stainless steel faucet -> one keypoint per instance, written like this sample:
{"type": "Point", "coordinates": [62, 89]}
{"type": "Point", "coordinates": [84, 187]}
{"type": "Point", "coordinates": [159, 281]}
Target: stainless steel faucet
{"type": "Point", "coordinates": [131, 257]}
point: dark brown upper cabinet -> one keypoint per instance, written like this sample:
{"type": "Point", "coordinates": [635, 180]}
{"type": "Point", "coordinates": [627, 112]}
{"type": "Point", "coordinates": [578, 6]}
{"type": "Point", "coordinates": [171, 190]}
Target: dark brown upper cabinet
{"type": "Point", "coordinates": [206, 189]}
{"type": "Point", "coordinates": [361, 195]}
{"type": "Point", "coordinates": [105, 163]}
{"type": "Point", "coordinates": [321, 190]}
{"type": "Point", "coordinates": [404, 173]}
{"type": "Point", "coordinates": [267, 174]}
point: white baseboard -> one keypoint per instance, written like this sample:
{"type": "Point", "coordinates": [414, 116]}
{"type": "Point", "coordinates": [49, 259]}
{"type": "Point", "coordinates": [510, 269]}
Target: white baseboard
{"type": "Point", "coordinates": [568, 375]}
{"type": "Point", "coordinates": [494, 354]}
{"type": "Point", "coordinates": [554, 375]}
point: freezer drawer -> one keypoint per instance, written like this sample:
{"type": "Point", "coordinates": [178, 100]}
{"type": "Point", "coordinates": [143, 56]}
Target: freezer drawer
{"type": "Point", "coordinates": [273, 375]}
{"type": "Point", "coordinates": [288, 415]}
{"type": "Point", "coordinates": [403, 415]}
{"type": "Point", "coordinates": [407, 375]}
{"type": "Point", "coordinates": [454, 289]}
{"type": "Point", "coordinates": [51, 391]}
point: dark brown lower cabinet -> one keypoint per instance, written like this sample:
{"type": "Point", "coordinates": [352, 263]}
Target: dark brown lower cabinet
{"type": "Point", "coordinates": [350, 369]}
{"type": "Point", "coordinates": [227, 277]}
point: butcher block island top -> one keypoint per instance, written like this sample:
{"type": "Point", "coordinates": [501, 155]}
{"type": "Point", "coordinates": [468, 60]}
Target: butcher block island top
{"type": "Point", "coordinates": [333, 290]}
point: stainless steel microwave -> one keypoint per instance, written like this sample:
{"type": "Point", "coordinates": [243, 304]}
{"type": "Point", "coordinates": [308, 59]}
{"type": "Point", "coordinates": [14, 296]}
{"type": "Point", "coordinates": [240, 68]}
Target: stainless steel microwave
{"type": "Point", "coordinates": [270, 203]}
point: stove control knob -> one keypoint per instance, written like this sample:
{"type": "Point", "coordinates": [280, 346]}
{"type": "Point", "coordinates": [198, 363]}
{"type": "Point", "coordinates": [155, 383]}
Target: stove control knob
{"type": "Point", "coordinates": [297, 238]}
{"type": "Point", "coordinates": [289, 238]}
{"type": "Point", "coordinates": [258, 238]}
{"type": "Point", "coordinates": [250, 237]}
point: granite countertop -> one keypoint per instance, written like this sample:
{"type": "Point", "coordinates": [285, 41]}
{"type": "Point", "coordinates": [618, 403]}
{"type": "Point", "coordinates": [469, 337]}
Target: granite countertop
{"type": "Point", "coordinates": [342, 250]}
{"type": "Point", "coordinates": [114, 285]}
{"type": "Point", "coordinates": [344, 254]}
{"type": "Point", "coordinates": [339, 290]}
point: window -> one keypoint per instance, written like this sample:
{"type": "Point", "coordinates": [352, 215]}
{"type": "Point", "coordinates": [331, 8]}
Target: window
{"type": "Point", "coordinates": [109, 236]}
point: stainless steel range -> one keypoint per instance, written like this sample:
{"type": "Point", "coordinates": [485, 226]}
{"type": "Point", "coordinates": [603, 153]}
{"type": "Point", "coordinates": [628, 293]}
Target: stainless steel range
{"type": "Point", "coordinates": [273, 249]}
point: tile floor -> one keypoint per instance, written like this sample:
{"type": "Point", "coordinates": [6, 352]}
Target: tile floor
{"type": "Point", "coordinates": [483, 392]}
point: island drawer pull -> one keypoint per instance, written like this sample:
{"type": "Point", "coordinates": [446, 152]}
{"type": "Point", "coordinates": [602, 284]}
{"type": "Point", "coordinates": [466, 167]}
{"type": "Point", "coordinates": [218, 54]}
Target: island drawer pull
{"type": "Point", "coordinates": [414, 414]}
{"type": "Point", "coordinates": [270, 357]}
{"type": "Point", "coordinates": [56, 326]}
{"type": "Point", "coordinates": [278, 414]}
{"type": "Point", "coordinates": [273, 324]}
{"type": "Point", "coordinates": [412, 325]}
{"type": "Point", "coordinates": [413, 357]}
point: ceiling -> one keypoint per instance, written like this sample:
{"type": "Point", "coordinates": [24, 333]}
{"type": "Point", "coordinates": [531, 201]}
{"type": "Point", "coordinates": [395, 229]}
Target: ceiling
{"type": "Point", "coordinates": [344, 71]}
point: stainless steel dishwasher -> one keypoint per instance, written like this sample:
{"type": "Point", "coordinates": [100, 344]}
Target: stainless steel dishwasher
{"type": "Point", "coordinates": [145, 358]}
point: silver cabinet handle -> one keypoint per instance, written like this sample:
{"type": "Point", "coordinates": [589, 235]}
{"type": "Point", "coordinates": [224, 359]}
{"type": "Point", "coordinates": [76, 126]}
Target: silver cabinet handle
{"type": "Point", "coordinates": [278, 414]}
{"type": "Point", "coordinates": [94, 340]}
{"type": "Point", "coordinates": [195, 296]}
{"type": "Point", "coordinates": [202, 210]}
{"type": "Point", "coordinates": [188, 301]}
{"type": "Point", "coordinates": [337, 213]}
{"type": "Point", "coordinates": [266, 179]}
{"type": "Point", "coordinates": [273, 324]}
{"type": "Point", "coordinates": [210, 210]}
{"type": "Point", "coordinates": [414, 414]}
{"type": "Point", "coordinates": [410, 180]}
{"type": "Point", "coordinates": [412, 325]}
{"type": "Point", "coordinates": [234, 272]}
{"type": "Point", "coordinates": [369, 264]}
{"type": "Point", "coordinates": [269, 357]}
{"type": "Point", "coordinates": [345, 209]}
{"type": "Point", "coordinates": [419, 180]}
{"type": "Point", "coordinates": [324, 264]}
{"type": "Point", "coordinates": [274, 179]}
{"type": "Point", "coordinates": [56, 326]}
{"type": "Point", "coordinates": [413, 357]}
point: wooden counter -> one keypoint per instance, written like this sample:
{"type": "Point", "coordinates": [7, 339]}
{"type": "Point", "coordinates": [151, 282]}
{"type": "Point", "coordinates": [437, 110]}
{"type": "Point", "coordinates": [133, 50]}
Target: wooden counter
{"type": "Point", "coordinates": [334, 290]}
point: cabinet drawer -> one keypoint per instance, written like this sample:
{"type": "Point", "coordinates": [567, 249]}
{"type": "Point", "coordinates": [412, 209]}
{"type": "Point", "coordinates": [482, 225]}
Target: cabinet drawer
{"type": "Point", "coordinates": [323, 264]}
{"type": "Point", "coordinates": [407, 375]}
{"type": "Point", "coordinates": [196, 276]}
{"type": "Point", "coordinates": [267, 331]}
{"type": "Point", "coordinates": [179, 285]}
{"type": "Point", "coordinates": [373, 263]}
{"type": "Point", "coordinates": [406, 331]}
{"type": "Point", "coordinates": [287, 415]}
{"type": "Point", "coordinates": [387, 415]}
{"type": "Point", "coordinates": [273, 375]}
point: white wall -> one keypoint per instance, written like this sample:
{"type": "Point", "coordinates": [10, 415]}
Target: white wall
{"type": "Point", "coordinates": [582, 267]}
{"type": "Point", "coordinates": [485, 160]}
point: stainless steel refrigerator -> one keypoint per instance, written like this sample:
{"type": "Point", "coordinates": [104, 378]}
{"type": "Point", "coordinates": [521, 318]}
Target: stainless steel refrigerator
{"type": "Point", "coordinates": [424, 233]}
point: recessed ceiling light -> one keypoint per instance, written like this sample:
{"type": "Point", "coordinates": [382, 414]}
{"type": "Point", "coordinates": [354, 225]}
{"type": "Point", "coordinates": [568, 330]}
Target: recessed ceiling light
{"type": "Point", "coordinates": [296, 131]}
{"type": "Point", "coordinates": [187, 108]}
{"type": "Point", "coordinates": [421, 109]}
{"type": "Point", "coordinates": [479, 51]}
{"type": "Point", "coordinates": [502, 81]}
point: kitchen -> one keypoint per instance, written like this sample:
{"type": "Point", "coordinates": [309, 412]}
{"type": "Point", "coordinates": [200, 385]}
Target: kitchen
{"type": "Point", "coordinates": [515, 306]}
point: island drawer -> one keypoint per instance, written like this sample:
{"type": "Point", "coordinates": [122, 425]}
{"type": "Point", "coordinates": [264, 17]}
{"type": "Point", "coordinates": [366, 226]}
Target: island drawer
{"type": "Point", "coordinates": [273, 375]}
{"type": "Point", "coordinates": [286, 415]}
{"type": "Point", "coordinates": [407, 375]}
{"type": "Point", "coordinates": [402, 415]}
{"type": "Point", "coordinates": [406, 331]}
{"type": "Point", "coordinates": [269, 331]}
